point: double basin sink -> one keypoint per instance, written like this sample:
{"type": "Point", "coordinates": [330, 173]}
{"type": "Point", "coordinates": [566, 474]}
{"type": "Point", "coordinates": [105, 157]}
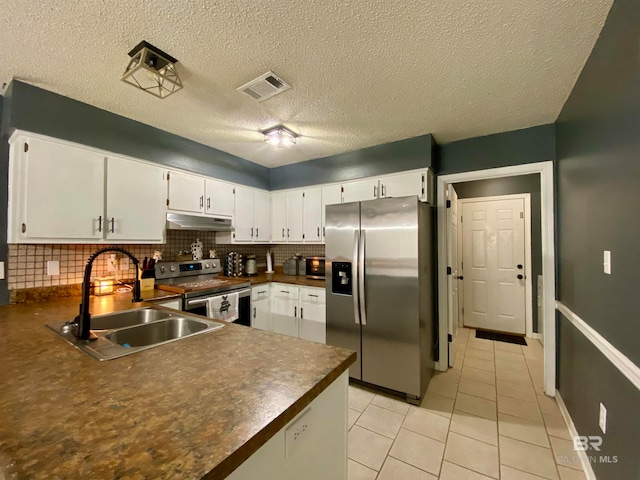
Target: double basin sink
{"type": "Point", "coordinates": [124, 333]}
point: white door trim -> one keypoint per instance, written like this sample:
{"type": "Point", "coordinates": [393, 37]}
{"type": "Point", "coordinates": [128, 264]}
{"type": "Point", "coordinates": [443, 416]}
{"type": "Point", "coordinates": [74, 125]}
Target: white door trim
{"type": "Point", "coordinates": [545, 170]}
{"type": "Point", "coordinates": [528, 298]}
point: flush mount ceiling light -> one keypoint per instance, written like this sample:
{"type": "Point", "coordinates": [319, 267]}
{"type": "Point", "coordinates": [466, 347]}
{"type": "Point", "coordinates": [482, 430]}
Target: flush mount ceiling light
{"type": "Point", "coordinates": [152, 70]}
{"type": "Point", "coordinates": [279, 136]}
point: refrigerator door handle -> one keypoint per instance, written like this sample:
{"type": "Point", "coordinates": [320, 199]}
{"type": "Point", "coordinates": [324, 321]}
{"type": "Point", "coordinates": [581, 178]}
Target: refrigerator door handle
{"type": "Point", "coordinates": [354, 277]}
{"type": "Point", "coordinates": [361, 292]}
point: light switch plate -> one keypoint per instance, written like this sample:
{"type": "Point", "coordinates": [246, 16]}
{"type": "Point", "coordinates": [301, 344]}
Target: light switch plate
{"type": "Point", "coordinates": [124, 264]}
{"type": "Point", "coordinates": [53, 267]}
{"type": "Point", "coordinates": [295, 433]}
{"type": "Point", "coordinates": [607, 262]}
{"type": "Point", "coordinates": [2, 271]}
{"type": "Point", "coordinates": [602, 420]}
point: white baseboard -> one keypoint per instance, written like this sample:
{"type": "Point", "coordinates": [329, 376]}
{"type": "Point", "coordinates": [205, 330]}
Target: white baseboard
{"type": "Point", "coordinates": [584, 460]}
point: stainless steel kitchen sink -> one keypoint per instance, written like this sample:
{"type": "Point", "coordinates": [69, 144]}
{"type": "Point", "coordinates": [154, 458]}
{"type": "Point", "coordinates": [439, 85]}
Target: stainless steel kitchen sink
{"type": "Point", "coordinates": [124, 333]}
{"type": "Point", "coordinates": [128, 318]}
{"type": "Point", "coordinates": [158, 332]}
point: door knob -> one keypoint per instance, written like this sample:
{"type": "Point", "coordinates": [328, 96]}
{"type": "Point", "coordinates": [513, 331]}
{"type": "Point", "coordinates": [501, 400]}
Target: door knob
{"type": "Point", "coordinates": [520, 277]}
{"type": "Point", "coordinates": [519, 266]}
{"type": "Point", "coordinates": [460, 277]}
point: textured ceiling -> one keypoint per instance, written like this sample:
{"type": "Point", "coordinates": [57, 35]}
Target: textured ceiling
{"type": "Point", "coordinates": [363, 72]}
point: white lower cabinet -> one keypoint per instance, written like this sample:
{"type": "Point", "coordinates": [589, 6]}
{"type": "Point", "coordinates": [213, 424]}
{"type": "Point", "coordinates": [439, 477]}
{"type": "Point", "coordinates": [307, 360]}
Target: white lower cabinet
{"type": "Point", "coordinates": [260, 308]}
{"type": "Point", "coordinates": [284, 309]}
{"type": "Point", "coordinates": [290, 310]}
{"type": "Point", "coordinates": [312, 446]}
{"type": "Point", "coordinates": [313, 312]}
{"type": "Point", "coordinates": [175, 304]}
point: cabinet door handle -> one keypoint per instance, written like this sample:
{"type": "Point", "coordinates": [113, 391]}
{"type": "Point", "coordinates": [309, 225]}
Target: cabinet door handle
{"type": "Point", "coordinates": [254, 312]}
{"type": "Point", "coordinates": [324, 231]}
{"type": "Point", "coordinates": [100, 223]}
{"type": "Point", "coordinates": [113, 226]}
{"type": "Point", "coordinates": [301, 313]}
{"type": "Point", "coordinates": [318, 232]}
{"type": "Point", "coordinates": [295, 312]}
{"type": "Point", "coordinates": [257, 230]}
{"type": "Point", "coordinates": [208, 203]}
{"type": "Point", "coordinates": [287, 233]}
{"type": "Point", "coordinates": [284, 291]}
{"type": "Point", "coordinates": [201, 201]}
{"type": "Point", "coordinates": [251, 232]}
{"type": "Point", "coordinates": [312, 295]}
{"type": "Point", "coordinates": [384, 191]}
{"type": "Point", "coordinates": [375, 191]}
{"type": "Point", "coordinates": [283, 233]}
{"type": "Point", "coordinates": [261, 292]}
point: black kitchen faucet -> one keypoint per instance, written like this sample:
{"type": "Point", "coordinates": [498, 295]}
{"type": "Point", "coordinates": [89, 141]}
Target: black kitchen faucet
{"type": "Point", "coordinates": [83, 320]}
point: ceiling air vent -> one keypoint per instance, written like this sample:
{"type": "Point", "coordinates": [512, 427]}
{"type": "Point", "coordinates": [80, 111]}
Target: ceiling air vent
{"type": "Point", "coordinates": [265, 86]}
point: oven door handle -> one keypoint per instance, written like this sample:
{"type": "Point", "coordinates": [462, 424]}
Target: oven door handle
{"type": "Point", "coordinates": [197, 301]}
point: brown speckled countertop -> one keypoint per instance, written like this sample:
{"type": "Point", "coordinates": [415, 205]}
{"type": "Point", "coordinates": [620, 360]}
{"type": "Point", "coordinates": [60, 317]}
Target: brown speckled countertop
{"type": "Point", "coordinates": [282, 278]}
{"type": "Point", "coordinates": [190, 409]}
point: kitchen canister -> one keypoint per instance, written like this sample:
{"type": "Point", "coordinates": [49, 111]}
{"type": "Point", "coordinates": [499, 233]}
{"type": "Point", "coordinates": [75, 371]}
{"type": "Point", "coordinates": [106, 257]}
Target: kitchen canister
{"type": "Point", "coordinates": [251, 267]}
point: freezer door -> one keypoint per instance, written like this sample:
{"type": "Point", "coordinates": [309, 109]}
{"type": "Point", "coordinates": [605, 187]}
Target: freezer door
{"type": "Point", "coordinates": [343, 319]}
{"type": "Point", "coordinates": [390, 301]}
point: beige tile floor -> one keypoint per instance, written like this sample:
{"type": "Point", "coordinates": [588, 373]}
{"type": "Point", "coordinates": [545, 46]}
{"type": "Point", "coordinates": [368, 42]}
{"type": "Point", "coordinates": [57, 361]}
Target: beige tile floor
{"type": "Point", "coordinates": [485, 418]}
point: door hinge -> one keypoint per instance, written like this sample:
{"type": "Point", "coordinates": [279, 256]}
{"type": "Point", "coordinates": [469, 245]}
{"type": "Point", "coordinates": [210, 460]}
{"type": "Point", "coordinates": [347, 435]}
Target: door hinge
{"type": "Point", "coordinates": [26, 147]}
{"type": "Point", "coordinates": [521, 214]}
{"type": "Point", "coordinates": [448, 203]}
{"type": "Point", "coordinates": [449, 337]}
{"type": "Point", "coordinates": [448, 270]}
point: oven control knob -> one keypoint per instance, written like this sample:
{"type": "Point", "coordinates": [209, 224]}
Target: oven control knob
{"type": "Point", "coordinates": [206, 265]}
{"type": "Point", "coordinates": [162, 269]}
{"type": "Point", "coordinates": [173, 268]}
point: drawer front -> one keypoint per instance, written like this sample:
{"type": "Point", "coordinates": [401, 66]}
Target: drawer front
{"type": "Point", "coordinates": [260, 292]}
{"type": "Point", "coordinates": [284, 290]}
{"type": "Point", "coordinates": [313, 295]}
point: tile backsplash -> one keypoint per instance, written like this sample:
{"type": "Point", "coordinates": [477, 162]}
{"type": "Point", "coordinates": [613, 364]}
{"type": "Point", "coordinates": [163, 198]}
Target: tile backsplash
{"type": "Point", "coordinates": [27, 263]}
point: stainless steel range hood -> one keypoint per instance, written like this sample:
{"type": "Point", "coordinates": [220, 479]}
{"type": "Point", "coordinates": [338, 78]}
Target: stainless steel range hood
{"type": "Point", "coordinates": [180, 221]}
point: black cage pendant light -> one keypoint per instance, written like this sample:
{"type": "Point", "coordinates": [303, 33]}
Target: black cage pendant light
{"type": "Point", "coordinates": [152, 70]}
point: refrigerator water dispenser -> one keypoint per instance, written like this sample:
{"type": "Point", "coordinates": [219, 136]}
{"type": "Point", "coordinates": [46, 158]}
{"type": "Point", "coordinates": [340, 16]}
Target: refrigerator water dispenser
{"type": "Point", "coordinates": [341, 278]}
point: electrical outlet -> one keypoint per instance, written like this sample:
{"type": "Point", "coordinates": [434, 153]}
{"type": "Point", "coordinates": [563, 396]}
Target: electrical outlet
{"type": "Point", "coordinates": [296, 433]}
{"type": "Point", "coordinates": [602, 421]}
{"type": "Point", "coordinates": [607, 262]}
{"type": "Point", "coordinates": [1, 270]}
{"type": "Point", "coordinates": [53, 267]}
{"type": "Point", "coordinates": [112, 263]}
{"type": "Point", "coordinates": [124, 264]}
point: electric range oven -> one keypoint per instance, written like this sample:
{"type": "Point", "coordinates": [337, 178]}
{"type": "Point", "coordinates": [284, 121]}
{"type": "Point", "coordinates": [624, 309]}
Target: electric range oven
{"type": "Point", "coordinates": [198, 281]}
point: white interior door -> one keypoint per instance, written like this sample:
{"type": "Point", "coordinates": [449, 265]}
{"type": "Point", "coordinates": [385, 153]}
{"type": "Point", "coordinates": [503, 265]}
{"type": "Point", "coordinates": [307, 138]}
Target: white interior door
{"type": "Point", "coordinates": [493, 261]}
{"type": "Point", "coordinates": [452, 261]}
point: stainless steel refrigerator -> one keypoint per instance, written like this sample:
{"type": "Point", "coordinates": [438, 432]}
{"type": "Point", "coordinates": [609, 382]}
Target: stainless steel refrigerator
{"type": "Point", "coordinates": [380, 270]}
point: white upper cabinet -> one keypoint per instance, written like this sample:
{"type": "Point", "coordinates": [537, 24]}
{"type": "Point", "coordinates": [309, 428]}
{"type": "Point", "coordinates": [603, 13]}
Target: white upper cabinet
{"type": "Point", "coordinates": [361, 190]}
{"type": "Point", "coordinates": [312, 215]}
{"type": "Point", "coordinates": [262, 216]}
{"type": "Point", "coordinates": [219, 198]}
{"type": "Point", "coordinates": [244, 215]}
{"type": "Point", "coordinates": [61, 192]}
{"type": "Point", "coordinates": [294, 216]}
{"type": "Point", "coordinates": [186, 192]}
{"type": "Point", "coordinates": [279, 217]}
{"type": "Point", "coordinates": [403, 185]}
{"type": "Point", "coordinates": [331, 195]}
{"type": "Point", "coordinates": [135, 201]}
{"type": "Point", "coordinates": [57, 192]}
